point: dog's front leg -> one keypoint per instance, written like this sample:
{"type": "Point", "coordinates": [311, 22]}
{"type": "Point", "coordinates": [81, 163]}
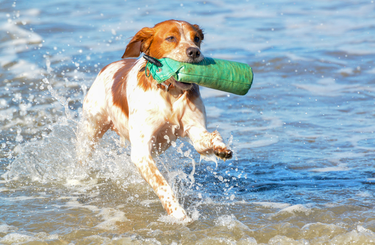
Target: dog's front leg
{"type": "Point", "coordinates": [207, 143]}
{"type": "Point", "coordinates": [141, 144]}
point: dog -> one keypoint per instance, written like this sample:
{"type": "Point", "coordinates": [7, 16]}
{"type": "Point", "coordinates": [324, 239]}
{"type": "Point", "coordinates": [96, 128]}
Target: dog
{"type": "Point", "coordinates": [150, 115]}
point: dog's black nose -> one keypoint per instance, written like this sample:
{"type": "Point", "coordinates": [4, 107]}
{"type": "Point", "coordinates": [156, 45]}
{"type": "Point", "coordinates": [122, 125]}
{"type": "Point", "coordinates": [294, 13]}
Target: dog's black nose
{"type": "Point", "coordinates": [193, 52]}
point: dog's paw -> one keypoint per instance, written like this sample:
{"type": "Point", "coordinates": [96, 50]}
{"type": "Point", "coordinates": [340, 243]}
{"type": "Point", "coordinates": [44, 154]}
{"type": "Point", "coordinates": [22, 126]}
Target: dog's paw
{"type": "Point", "coordinates": [179, 216]}
{"type": "Point", "coordinates": [223, 153]}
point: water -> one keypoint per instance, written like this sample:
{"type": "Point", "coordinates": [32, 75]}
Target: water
{"type": "Point", "coordinates": [303, 137]}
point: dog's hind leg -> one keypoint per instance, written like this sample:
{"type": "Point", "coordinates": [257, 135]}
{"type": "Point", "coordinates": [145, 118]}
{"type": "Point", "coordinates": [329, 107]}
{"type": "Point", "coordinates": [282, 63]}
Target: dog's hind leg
{"type": "Point", "coordinates": [94, 123]}
{"type": "Point", "coordinates": [90, 130]}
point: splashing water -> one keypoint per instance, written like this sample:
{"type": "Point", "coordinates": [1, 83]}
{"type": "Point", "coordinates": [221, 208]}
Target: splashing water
{"type": "Point", "coordinates": [303, 137]}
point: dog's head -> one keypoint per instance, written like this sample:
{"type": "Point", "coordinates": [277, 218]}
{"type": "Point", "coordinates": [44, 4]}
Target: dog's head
{"type": "Point", "coordinates": [173, 39]}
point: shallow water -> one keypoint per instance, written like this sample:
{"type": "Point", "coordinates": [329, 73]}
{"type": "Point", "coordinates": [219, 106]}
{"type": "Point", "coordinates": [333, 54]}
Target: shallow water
{"type": "Point", "coordinates": [303, 137]}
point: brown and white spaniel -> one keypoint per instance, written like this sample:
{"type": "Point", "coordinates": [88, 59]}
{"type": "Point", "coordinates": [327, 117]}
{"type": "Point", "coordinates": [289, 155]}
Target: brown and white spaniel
{"type": "Point", "coordinates": [148, 115]}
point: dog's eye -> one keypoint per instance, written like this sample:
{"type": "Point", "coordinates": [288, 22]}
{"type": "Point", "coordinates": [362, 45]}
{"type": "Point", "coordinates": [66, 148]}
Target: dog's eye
{"type": "Point", "coordinates": [196, 39]}
{"type": "Point", "coordinates": [170, 39]}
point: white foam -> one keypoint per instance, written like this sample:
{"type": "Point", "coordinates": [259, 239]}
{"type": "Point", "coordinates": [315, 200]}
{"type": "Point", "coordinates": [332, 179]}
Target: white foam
{"type": "Point", "coordinates": [21, 198]}
{"type": "Point", "coordinates": [364, 230]}
{"type": "Point", "coordinates": [323, 229]}
{"type": "Point", "coordinates": [172, 220]}
{"type": "Point", "coordinates": [6, 114]}
{"type": "Point", "coordinates": [147, 203]}
{"type": "Point", "coordinates": [73, 204]}
{"type": "Point", "coordinates": [73, 182]}
{"type": "Point", "coordinates": [231, 222]}
{"type": "Point", "coordinates": [111, 217]}
{"type": "Point", "coordinates": [4, 228]}
{"type": "Point", "coordinates": [284, 240]}
{"type": "Point", "coordinates": [365, 194]}
{"type": "Point", "coordinates": [276, 205]}
{"type": "Point", "coordinates": [16, 238]}
{"type": "Point", "coordinates": [209, 240]}
{"type": "Point", "coordinates": [360, 235]}
{"type": "Point", "coordinates": [81, 184]}
{"type": "Point", "coordinates": [296, 209]}
{"type": "Point", "coordinates": [52, 159]}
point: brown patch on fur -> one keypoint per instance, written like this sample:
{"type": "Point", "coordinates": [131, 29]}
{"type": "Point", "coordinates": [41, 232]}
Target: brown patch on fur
{"type": "Point", "coordinates": [169, 211]}
{"type": "Point", "coordinates": [160, 181]}
{"type": "Point", "coordinates": [139, 43]}
{"type": "Point", "coordinates": [151, 171]}
{"type": "Point", "coordinates": [215, 136]}
{"type": "Point", "coordinates": [160, 46]}
{"type": "Point", "coordinates": [119, 86]}
{"type": "Point", "coordinates": [153, 41]}
{"type": "Point", "coordinates": [144, 82]}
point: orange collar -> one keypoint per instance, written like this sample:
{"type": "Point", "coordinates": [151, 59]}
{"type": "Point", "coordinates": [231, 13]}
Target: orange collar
{"type": "Point", "coordinates": [166, 85]}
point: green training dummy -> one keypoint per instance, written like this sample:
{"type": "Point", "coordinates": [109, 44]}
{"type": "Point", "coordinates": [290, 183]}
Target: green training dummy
{"type": "Point", "coordinates": [228, 76]}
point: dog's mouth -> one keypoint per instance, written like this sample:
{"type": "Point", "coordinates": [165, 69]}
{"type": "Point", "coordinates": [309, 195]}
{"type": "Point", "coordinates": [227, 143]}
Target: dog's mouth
{"type": "Point", "coordinates": [181, 85]}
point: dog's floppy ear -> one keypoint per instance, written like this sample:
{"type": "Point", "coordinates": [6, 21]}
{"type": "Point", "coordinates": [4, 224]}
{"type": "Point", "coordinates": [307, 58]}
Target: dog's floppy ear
{"type": "Point", "coordinates": [199, 30]}
{"type": "Point", "coordinates": [139, 43]}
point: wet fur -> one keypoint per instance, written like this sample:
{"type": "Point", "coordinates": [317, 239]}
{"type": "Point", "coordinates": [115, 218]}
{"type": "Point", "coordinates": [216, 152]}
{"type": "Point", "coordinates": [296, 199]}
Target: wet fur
{"type": "Point", "coordinates": [123, 99]}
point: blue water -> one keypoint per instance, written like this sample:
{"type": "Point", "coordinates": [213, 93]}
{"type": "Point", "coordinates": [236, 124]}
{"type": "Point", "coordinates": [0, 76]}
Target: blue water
{"type": "Point", "coordinates": [303, 169]}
